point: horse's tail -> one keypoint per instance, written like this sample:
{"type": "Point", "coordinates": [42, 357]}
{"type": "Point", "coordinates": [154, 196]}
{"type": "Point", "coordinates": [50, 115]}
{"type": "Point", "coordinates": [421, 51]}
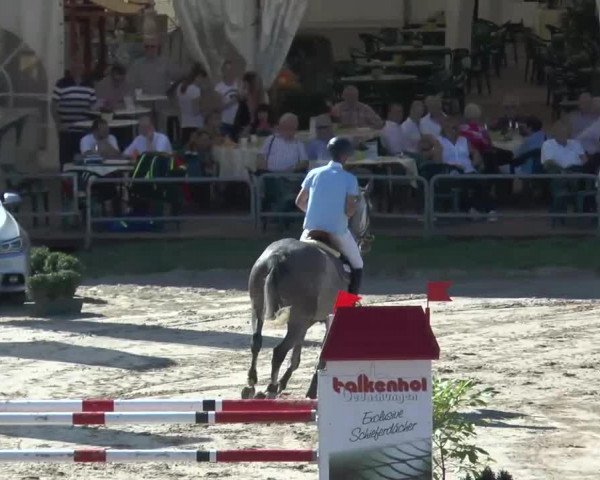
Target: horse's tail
{"type": "Point", "coordinates": [272, 299]}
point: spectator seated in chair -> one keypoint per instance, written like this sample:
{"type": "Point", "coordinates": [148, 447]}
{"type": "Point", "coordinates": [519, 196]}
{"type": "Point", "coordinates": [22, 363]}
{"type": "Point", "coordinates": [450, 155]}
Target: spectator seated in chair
{"type": "Point", "coordinates": [316, 149]}
{"type": "Point", "coordinates": [212, 125]}
{"type": "Point", "coordinates": [350, 112]}
{"type": "Point", "coordinates": [148, 140]}
{"type": "Point", "coordinates": [533, 139]}
{"type": "Point", "coordinates": [263, 124]}
{"type": "Point", "coordinates": [410, 131]}
{"type": "Point", "coordinates": [431, 124]}
{"type": "Point", "coordinates": [283, 153]}
{"type": "Point", "coordinates": [474, 131]}
{"type": "Point", "coordinates": [455, 150]}
{"type": "Point", "coordinates": [199, 157]}
{"type": "Point", "coordinates": [99, 141]}
{"type": "Point", "coordinates": [112, 90]}
{"type": "Point", "coordinates": [391, 135]}
{"type": "Point", "coordinates": [560, 153]}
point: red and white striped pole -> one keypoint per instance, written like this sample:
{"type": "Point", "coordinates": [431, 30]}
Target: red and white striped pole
{"type": "Point", "coordinates": [153, 405]}
{"type": "Point", "coordinates": [163, 456]}
{"type": "Point", "coordinates": [128, 418]}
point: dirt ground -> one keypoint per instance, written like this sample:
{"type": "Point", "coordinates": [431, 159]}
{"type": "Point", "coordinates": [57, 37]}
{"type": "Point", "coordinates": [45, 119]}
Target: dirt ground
{"type": "Point", "coordinates": [535, 339]}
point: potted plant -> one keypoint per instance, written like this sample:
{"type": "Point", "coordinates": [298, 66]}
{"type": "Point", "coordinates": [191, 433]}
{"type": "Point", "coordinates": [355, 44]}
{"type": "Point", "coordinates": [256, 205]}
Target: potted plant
{"type": "Point", "coordinates": [54, 279]}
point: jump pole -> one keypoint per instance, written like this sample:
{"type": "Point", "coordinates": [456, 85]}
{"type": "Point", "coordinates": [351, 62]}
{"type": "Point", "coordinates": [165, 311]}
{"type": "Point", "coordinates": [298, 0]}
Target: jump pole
{"type": "Point", "coordinates": [147, 418]}
{"type": "Point", "coordinates": [153, 405]}
{"type": "Point", "coordinates": [163, 456]}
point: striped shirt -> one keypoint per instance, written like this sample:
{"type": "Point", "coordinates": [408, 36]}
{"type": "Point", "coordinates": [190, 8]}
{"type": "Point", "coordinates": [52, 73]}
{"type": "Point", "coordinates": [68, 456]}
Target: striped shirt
{"type": "Point", "coordinates": [281, 154]}
{"type": "Point", "coordinates": [74, 101]}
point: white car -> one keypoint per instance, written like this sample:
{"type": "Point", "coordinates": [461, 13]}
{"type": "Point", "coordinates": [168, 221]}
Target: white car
{"type": "Point", "coordinates": [14, 254]}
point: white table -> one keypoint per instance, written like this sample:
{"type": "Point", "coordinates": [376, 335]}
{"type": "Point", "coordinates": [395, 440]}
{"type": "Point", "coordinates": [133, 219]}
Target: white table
{"type": "Point", "coordinates": [137, 111]}
{"type": "Point", "coordinates": [424, 30]}
{"type": "Point", "coordinates": [103, 169]}
{"type": "Point", "coordinates": [114, 123]}
{"type": "Point", "coordinates": [426, 49]}
{"type": "Point", "coordinates": [509, 144]}
{"type": "Point", "coordinates": [400, 77]}
{"type": "Point", "coordinates": [145, 97]}
{"type": "Point", "coordinates": [374, 64]}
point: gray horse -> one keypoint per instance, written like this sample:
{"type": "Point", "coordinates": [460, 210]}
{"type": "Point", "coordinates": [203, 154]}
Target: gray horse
{"type": "Point", "coordinates": [299, 280]}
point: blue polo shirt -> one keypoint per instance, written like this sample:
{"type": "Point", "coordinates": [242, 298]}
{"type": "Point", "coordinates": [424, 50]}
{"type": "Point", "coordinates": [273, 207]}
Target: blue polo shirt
{"type": "Point", "coordinates": [328, 187]}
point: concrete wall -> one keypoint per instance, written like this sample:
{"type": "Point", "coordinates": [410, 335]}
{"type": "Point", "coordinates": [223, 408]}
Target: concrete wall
{"type": "Point", "coordinates": [353, 13]}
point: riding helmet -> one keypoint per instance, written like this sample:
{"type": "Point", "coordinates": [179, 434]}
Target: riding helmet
{"type": "Point", "coordinates": [339, 146]}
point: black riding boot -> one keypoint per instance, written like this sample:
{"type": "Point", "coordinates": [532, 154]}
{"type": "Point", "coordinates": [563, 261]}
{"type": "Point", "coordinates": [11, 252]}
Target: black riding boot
{"type": "Point", "coordinates": [355, 280]}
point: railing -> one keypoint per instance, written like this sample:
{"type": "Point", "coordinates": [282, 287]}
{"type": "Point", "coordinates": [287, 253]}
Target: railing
{"type": "Point", "coordinates": [426, 213]}
{"type": "Point", "coordinates": [593, 191]}
{"type": "Point", "coordinates": [35, 192]}
{"type": "Point", "coordinates": [90, 219]}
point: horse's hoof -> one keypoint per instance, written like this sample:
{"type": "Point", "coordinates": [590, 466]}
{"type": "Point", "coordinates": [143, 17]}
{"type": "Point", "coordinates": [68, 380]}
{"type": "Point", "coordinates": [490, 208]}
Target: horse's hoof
{"type": "Point", "coordinates": [271, 395]}
{"type": "Point", "coordinates": [260, 396]}
{"type": "Point", "coordinates": [247, 393]}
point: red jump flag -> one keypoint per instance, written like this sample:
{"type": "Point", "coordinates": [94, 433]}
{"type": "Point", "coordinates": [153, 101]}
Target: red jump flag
{"type": "Point", "coordinates": [345, 299]}
{"type": "Point", "coordinates": [438, 292]}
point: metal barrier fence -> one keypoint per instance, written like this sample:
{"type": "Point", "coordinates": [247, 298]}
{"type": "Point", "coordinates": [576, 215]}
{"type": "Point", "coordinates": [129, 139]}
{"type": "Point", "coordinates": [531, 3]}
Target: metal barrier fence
{"type": "Point", "coordinates": [128, 182]}
{"type": "Point", "coordinates": [592, 192]}
{"type": "Point", "coordinates": [34, 192]}
{"type": "Point", "coordinates": [416, 182]}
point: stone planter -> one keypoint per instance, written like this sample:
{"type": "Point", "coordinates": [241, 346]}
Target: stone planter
{"type": "Point", "coordinates": [44, 307]}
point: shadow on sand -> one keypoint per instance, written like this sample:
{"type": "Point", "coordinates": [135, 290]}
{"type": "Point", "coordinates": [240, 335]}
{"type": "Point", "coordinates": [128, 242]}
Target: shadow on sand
{"type": "Point", "coordinates": [152, 333]}
{"type": "Point", "coordinates": [499, 419]}
{"type": "Point", "coordinates": [79, 355]}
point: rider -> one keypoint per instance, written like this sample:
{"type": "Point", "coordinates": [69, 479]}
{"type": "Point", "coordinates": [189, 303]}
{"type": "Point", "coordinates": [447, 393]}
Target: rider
{"type": "Point", "coordinates": [329, 197]}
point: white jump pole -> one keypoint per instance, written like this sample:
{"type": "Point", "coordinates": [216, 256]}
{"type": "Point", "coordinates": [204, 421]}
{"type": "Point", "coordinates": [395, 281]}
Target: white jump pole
{"type": "Point", "coordinates": [163, 456]}
{"type": "Point", "coordinates": [147, 418]}
{"type": "Point", "coordinates": [153, 405]}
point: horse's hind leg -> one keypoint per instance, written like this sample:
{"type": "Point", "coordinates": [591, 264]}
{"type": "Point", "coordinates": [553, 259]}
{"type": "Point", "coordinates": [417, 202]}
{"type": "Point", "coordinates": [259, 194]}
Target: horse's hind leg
{"type": "Point", "coordinates": [294, 364]}
{"type": "Point", "coordinates": [257, 326]}
{"type": "Point", "coordinates": [294, 336]}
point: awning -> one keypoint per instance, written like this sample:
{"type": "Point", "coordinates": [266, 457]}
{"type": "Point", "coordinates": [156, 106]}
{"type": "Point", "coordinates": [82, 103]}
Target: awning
{"type": "Point", "coordinates": [124, 7]}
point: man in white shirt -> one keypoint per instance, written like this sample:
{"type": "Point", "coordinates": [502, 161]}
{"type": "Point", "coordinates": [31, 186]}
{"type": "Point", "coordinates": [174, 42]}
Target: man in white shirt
{"type": "Point", "coordinates": [391, 135]}
{"type": "Point", "coordinates": [431, 124]}
{"type": "Point", "coordinates": [149, 140]}
{"type": "Point", "coordinates": [560, 152]}
{"type": "Point", "coordinates": [283, 152]}
{"type": "Point", "coordinates": [99, 141]}
{"type": "Point", "coordinates": [411, 134]}
{"type": "Point", "coordinates": [455, 150]}
{"type": "Point", "coordinates": [229, 90]}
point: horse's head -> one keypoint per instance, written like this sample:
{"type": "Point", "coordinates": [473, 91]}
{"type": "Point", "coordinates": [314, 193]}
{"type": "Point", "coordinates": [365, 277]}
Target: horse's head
{"type": "Point", "coordinates": [360, 222]}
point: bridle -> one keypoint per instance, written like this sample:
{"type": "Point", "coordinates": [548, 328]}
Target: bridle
{"type": "Point", "coordinates": [361, 223]}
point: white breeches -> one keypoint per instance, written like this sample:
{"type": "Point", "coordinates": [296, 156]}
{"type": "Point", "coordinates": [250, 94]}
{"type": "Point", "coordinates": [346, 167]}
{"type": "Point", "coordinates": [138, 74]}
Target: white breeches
{"type": "Point", "coordinates": [347, 246]}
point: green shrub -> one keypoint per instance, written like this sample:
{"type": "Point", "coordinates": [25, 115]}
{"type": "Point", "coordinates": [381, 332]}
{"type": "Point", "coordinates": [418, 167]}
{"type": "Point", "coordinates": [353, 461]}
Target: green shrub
{"type": "Point", "coordinates": [63, 262]}
{"type": "Point", "coordinates": [54, 285]}
{"type": "Point", "coordinates": [38, 259]}
{"type": "Point", "coordinates": [53, 274]}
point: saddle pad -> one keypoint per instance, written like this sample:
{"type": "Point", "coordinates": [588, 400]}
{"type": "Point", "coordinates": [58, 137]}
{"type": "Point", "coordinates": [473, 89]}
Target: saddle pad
{"type": "Point", "coordinates": [322, 246]}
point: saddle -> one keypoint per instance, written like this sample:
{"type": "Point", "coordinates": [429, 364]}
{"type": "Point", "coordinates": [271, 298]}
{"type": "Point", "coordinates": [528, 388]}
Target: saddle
{"type": "Point", "coordinates": [322, 240]}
